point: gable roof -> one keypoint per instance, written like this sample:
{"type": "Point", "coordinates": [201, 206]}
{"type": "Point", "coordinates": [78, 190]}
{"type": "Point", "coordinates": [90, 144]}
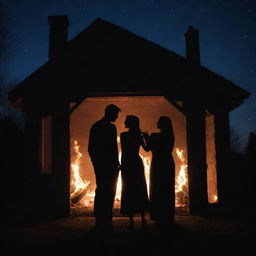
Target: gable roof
{"type": "Point", "coordinates": [107, 58]}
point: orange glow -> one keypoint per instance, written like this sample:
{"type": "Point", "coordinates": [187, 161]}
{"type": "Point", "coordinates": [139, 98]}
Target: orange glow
{"type": "Point", "coordinates": [79, 186]}
{"type": "Point", "coordinates": [146, 163]}
{"type": "Point", "coordinates": [117, 202]}
{"type": "Point", "coordinates": [214, 199]}
{"type": "Point", "coordinates": [181, 182]}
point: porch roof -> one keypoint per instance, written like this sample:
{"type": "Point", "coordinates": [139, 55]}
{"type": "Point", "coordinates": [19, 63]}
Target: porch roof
{"type": "Point", "coordinates": [107, 59]}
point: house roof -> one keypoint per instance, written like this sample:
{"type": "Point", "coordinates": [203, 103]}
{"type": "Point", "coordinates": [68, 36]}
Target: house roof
{"type": "Point", "coordinates": [105, 58]}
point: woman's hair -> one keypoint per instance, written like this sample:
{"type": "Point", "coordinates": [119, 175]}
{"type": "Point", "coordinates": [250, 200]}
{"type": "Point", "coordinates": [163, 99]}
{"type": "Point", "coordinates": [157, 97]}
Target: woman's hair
{"type": "Point", "coordinates": [165, 124]}
{"type": "Point", "coordinates": [133, 122]}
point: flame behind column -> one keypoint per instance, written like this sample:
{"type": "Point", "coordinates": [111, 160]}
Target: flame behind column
{"type": "Point", "coordinates": [78, 185]}
{"type": "Point", "coordinates": [181, 182]}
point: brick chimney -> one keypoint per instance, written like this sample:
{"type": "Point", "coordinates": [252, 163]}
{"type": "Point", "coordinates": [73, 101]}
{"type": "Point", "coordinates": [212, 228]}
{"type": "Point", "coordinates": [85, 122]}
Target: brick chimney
{"type": "Point", "coordinates": [192, 45]}
{"type": "Point", "coordinates": [58, 36]}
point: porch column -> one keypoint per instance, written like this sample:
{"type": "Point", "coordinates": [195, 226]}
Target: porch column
{"type": "Point", "coordinates": [61, 157]}
{"type": "Point", "coordinates": [32, 142]}
{"type": "Point", "coordinates": [196, 155]}
{"type": "Point", "coordinates": [32, 139]}
{"type": "Point", "coordinates": [222, 147]}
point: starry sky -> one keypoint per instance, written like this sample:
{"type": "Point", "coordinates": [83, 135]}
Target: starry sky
{"type": "Point", "coordinates": [227, 30]}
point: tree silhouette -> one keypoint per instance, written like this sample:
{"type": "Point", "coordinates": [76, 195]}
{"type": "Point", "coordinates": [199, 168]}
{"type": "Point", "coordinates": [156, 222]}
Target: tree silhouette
{"type": "Point", "coordinates": [5, 40]}
{"type": "Point", "coordinates": [11, 140]}
{"type": "Point", "coordinates": [250, 148]}
{"type": "Point", "coordinates": [12, 169]}
{"type": "Point", "coordinates": [250, 160]}
{"type": "Point", "coordinates": [6, 47]}
{"type": "Point", "coordinates": [235, 141]}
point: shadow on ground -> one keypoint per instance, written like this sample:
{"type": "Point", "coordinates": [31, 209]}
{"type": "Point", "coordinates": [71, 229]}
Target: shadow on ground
{"type": "Point", "coordinates": [189, 234]}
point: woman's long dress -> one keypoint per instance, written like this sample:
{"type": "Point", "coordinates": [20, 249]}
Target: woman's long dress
{"type": "Point", "coordinates": [134, 197]}
{"type": "Point", "coordinates": [162, 178]}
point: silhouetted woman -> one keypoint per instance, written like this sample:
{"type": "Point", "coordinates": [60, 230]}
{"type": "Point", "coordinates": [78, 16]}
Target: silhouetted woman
{"type": "Point", "coordinates": [134, 198]}
{"type": "Point", "coordinates": [162, 172]}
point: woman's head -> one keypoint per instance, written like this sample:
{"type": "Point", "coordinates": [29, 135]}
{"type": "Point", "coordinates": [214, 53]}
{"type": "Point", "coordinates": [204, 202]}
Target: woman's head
{"type": "Point", "coordinates": [165, 124]}
{"type": "Point", "coordinates": [132, 122]}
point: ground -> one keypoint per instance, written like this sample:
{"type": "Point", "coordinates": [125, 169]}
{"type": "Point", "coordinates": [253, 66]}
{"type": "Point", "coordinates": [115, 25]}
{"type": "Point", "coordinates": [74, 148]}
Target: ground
{"type": "Point", "coordinates": [189, 234]}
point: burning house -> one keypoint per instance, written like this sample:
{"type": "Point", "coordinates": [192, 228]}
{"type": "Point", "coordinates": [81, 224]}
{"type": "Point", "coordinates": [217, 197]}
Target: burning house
{"type": "Point", "coordinates": [108, 64]}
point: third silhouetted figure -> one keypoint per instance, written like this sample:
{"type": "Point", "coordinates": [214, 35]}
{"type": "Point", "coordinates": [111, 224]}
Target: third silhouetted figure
{"type": "Point", "coordinates": [162, 172]}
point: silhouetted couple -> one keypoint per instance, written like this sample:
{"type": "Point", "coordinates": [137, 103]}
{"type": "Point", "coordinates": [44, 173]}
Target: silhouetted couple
{"type": "Point", "coordinates": [103, 151]}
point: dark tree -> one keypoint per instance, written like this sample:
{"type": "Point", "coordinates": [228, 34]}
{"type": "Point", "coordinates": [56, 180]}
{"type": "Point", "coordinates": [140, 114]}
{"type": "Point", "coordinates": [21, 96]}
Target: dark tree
{"type": "Point", "coordinates": [6, 51]}
{"type": "Point", "coordinates": [5, 42]}
{"type": "Point", "coordinates": [12, 170]}
{"type": "Point", "coordinates": [235, 190]}
{"type": "Point", "coordinates": [11, 140]}
{"type": "Point", "coordinates": [250, 148]}
{"type": "Point", "coordinates": [235, 141]}
{"type": "Point", "coordinates": [250, 169]}
{"type": "Point", "coordinates": [242, 181]}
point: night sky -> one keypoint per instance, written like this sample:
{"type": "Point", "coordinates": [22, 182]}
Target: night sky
{"type": "Point", "coordinates": [227, 35]}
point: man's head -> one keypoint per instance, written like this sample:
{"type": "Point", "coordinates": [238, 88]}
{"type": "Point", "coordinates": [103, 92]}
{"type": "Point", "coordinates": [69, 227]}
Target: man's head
{"type": "Point", "coordinates": [111, 112]}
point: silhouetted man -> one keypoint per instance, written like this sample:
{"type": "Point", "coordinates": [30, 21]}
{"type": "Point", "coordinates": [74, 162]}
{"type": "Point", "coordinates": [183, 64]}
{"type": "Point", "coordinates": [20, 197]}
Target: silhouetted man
{"type": "Point", "coordinates": [103, 151]}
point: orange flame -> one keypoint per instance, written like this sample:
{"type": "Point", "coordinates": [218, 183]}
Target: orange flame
{"type": "Point", "coordinates": [181, 182]}
{"type": "Point", "coordinates": [79, 185]}
{"type": "Point", "coordinates": [214, 199]}
{"type": "Point", "coordinates": [146, 162]}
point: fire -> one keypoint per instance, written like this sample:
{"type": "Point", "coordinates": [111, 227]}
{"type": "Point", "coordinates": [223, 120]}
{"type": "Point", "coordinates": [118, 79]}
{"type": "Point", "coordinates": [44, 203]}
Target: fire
{"type": "Point", "coordinates": [82, 196]}
{"type": "Point", "coordinates": [78, 185]}
{"type": "Point", "coordinates": [215, 199]}
{"type": "Point", "coordinates": [119, 183]}
{"type": "Point", "coordinates": [146, 162]}
{"type": "Point", "coordinates": [181, 182]}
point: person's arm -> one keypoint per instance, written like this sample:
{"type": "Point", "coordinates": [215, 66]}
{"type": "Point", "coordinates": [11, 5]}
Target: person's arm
{"type": "Point", "coordinates": [145, 141]}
